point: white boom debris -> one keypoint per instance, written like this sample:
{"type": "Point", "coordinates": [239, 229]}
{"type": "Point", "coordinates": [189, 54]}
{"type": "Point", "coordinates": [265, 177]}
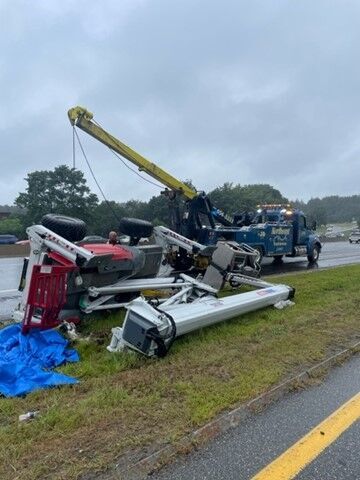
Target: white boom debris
{"type": "Point", "coordinates": [151, 330]}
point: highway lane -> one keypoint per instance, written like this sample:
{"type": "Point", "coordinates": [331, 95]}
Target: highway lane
{"type": "Point", "coordinates": [333, 254]}
{"type": "Point", "coordinates": [263, 439]}
{"type": "Point", "coordinates": [10, 271]}
{"type": "Point", "coordinates": [341, 461]}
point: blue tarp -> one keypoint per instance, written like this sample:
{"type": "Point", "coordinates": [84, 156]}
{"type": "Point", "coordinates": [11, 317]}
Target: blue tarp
{"type": "Point", "coordinates": [26, 360]}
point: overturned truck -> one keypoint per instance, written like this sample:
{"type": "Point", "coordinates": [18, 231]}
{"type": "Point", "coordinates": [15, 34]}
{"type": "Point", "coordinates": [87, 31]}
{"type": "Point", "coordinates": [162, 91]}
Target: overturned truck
{"type": "Point", "coordinates": [65, 277]}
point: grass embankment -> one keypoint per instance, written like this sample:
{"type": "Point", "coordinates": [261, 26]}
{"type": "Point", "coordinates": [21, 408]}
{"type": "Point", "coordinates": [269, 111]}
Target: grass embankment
{"type": "Point", "coordinates": [126, 402]}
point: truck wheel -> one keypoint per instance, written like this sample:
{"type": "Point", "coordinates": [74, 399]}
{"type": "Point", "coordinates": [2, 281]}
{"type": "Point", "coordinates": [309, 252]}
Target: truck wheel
{"type": "Point", "coordinates": [313, 257]}
{"type": "Point", "coordinates": [72, 229]}
{"type": "Point", "coordinates": [261, 254]}
{"type": "Point", "coordinates": [134, 227]}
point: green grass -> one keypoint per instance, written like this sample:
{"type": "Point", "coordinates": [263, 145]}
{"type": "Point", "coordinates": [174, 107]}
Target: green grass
{"type": "Point", "coordinates": [126, 402]}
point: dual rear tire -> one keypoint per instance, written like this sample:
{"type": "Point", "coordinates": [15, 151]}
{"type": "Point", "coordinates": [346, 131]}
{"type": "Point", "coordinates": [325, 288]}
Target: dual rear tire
{"type": "Point", "coordinates": [74, 229]}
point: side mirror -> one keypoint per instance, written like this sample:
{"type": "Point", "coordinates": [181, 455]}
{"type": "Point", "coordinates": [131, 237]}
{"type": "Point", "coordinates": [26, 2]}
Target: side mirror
{"type": "Point", "coordinates": [313, 225]}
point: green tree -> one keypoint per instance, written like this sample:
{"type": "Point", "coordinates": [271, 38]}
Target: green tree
{"type": "Point", "coordinates": [233, 198]}
{"type": "Point", "coordinates": [62, 190]}
{"type": "Point", "coordinates": [316, 211]}
{"type": "Point", "coordinates": [261, 194]}
{"type": "Point", "coordinates": [225, 197]}
{"type": "Point", "coordinates": [11, 225]}
{"type": "Point", "coordinates": [106, 217]}
{"type": "Point", "coordinates": [135, 209]}
{"type": "Point", "coordinates": [336, 209]}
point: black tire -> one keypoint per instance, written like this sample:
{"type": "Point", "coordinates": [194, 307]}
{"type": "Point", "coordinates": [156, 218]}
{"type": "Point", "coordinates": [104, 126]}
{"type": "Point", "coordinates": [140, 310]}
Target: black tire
{"type": "Point", "coordinates": [313, 257]}
{"type": "Point", "coordinates": [72, 229]}
{"type": "Point", "coordinates": [136, 228]}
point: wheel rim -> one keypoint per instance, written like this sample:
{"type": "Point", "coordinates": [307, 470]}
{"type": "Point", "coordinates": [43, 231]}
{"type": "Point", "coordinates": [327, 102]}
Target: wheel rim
{"type": "Point", "coordinates": [258, 249]}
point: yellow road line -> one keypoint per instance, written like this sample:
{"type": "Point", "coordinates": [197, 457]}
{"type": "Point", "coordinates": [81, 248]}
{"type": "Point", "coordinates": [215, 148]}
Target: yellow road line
{"type": "Point", "coordinates": [291, 462]}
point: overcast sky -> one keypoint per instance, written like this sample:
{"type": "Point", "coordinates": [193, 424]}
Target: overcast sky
{"type": "Point", "coordinates": [213, 91]}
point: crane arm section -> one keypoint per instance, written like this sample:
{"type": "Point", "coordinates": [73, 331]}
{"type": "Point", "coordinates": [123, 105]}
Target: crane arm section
{"type": "Point", "coordinates": [83, 119]}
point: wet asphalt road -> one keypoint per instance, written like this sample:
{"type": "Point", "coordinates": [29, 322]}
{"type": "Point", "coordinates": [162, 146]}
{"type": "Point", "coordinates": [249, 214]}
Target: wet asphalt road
{"type": "Point", "coordinates": [333, 254]}
{"type": "Point", "coordinates": [340, 461]}
{"type": "Point", "coordinates": [242, 452]}
{"type": "Point", "coordinates": [10, 271]}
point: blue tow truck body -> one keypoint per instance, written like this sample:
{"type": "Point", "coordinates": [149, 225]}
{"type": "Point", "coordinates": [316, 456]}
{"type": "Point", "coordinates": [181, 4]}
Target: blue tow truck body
{"type": "Point", "coordinates": [275, 231]}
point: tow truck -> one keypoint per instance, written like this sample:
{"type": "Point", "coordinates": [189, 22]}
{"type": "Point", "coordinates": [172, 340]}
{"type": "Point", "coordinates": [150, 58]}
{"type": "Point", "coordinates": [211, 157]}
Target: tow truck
{"type": "Point", "coordinates": [274, 230]}
{"type": "Point", "coordinates": [61, 279]}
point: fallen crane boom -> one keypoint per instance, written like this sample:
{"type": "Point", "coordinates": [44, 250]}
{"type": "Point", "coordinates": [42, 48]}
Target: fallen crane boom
{"type": "Point", "coordinates": [151, 330]}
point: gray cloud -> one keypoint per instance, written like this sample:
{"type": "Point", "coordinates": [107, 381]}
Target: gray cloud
{"type": "Point", "coordinates": [242, 91]}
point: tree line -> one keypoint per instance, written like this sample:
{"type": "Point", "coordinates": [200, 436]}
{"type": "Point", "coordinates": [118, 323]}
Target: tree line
{"type": "Point", "coordinates": [64, 190]}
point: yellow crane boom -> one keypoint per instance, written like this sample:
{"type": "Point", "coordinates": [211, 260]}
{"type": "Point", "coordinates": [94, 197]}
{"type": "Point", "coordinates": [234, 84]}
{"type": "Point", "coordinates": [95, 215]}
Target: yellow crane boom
{"type": "Point", "coordinates": [83, 119]}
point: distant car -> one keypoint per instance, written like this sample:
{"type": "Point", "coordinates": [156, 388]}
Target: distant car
{"type": "Point", "coordinates": [8, 239]}
{"type": "Point", "coordinates": [355, 237]}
